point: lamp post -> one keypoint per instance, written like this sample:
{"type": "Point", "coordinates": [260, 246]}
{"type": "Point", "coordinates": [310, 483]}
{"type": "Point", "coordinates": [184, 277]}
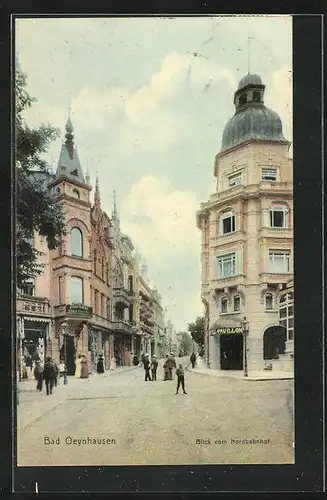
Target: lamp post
{"type": "Point", "coordinates": [245, 328]}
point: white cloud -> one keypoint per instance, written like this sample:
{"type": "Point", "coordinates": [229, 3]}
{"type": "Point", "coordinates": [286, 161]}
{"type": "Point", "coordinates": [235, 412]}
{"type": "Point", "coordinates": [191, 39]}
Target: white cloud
{"type": "Point", "coordinates": [160, 220]}
{"type": "Point", "coordinates": [280, 97]}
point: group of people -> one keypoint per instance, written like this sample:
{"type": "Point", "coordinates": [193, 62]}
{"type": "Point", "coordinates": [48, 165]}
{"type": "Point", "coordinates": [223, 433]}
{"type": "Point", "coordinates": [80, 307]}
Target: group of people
{"type": "Point", "coordinates": [151, 366]}
{"type": "Point", "coordinates": [49, 373]}
{"type": "Point", "coordinates": [81, 367]}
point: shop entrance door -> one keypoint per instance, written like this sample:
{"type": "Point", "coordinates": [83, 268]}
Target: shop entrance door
{"type": "Point", "coordinates": [68, 353]}
{"type": "Point", "coordinates": [231, 352]}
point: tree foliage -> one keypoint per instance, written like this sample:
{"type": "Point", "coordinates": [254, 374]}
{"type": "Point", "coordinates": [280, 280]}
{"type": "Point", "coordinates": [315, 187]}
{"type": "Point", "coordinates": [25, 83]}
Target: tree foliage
{"type": "Point", "coordinates": [36, 210]}
{"type": "Point", "coordinates": [186, 344]}
{"type": "Point", "coordinates": [196, 330]}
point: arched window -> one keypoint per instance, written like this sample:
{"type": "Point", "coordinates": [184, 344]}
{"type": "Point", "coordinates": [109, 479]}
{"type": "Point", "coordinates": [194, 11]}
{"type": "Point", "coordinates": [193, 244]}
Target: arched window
{"type": "Point", "coordinates": [269, 302]}
{"type": "Point", "coordinates": [76, 290]}
{"type": "Point", "coordinates": [279, 215]}
{"type": "Point", "coordinates": [76, 193]}
{"type": "Point", "coordinates": [228, 222]}
{"type": "Point", "coordinates": [76, 242]}
{"type": "Point", "coordinates": [237, 303]}
{"type": "Point", "coordinates": [224, 305]}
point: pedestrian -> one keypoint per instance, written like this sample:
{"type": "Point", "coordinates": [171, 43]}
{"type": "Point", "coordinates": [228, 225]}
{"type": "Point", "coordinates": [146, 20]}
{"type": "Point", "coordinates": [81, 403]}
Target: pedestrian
{"type": "Point", "coordinates": [78, 366]}
{"type": "Point", "coordinates": [62, 370]}
{"type": "Point", "coordinates": [112, 363]}
{"type": "Point", "coordinates": [135, 360]}
{"type": "Point", "coordinates": [166, 369]}
{"type": "Point", "coordinates": [84, 367]}
{"type": "Point", "coordinates": [56, 368]}
{"type": "Point", "coordinates": [180, 379]}
{"type": "Point", "coordinates": [193, 359]}
{"type": "Point", "coordinates": [171, 364]}
{"type": "Point", "coordinates": [147, 364]}
{"type": "Point", "coordinates": [154, 367]}
{"type": "Point", "coordinates": [49, 375]}
{"type": "Point", "coordinates": [38, 374]}
{"type": "Point", "coordinates": [100, 366]}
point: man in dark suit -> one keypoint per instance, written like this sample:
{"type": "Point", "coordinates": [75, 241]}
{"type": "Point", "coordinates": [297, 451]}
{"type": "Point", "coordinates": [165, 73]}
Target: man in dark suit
{"type": "Point", "coordinates": [49, 375]}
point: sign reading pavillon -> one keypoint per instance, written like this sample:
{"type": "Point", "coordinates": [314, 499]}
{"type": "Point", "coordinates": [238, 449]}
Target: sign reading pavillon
{"type": "Point", "coordinates": [79, 310]}
{"type": "Point", "coordinates": [227, 330]}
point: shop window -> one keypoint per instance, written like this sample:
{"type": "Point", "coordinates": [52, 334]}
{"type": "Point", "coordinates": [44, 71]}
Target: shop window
{"type": "Point", "coordinates": [227, 265]}
{"type": "Point", "coordinates": [237, 303]}
{"type": "Point", "coordinates": [29, 287]}
{"type": "Point", "coordinates": [279, 216]}
{"type": "Point", "coordinates": [269, 174]}
{"type": "Point", "coordinates": [286, 314]}
{"type": "Point", "coordinates": [279, 261]}
{"type": "Point", "coordinates": [235, 179]}
{"type": "Point", "coordinates": [228, 222]}
{"type": "Point", "coordinates": [76, 290]}
{"type": "Point", "coordinates": [268, 301]}
{"type": "Point", "coordinates": [76, 242]}
{"type": "Point", "coordinates": [224, 305]}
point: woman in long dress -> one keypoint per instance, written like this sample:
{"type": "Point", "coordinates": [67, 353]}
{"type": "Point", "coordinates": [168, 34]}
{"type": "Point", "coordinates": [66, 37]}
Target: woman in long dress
{"type": "Point", "coordinates": [84, 370]}
{"type": "Point", "coordinates": [100, 365]}
{"type": "Point", "coordinates": [78, 366]}
{"type": "Point", "coordinates": [113, 363]}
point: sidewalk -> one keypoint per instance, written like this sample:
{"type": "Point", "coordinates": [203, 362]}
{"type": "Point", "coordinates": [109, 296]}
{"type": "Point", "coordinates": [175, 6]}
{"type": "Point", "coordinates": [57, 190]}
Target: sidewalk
{"type": "Point", "coordinates": [257, 375]}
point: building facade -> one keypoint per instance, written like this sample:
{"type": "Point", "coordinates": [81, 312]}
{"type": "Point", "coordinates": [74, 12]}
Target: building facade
{"type": "Point", "coordinates": [89, 299]}
{"type": "Point", "coordinates": [247, 236]}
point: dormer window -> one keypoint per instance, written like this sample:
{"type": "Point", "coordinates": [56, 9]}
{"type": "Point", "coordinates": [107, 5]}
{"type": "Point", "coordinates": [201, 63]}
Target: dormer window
{"type": "Point", "coordinates": [74, 172]}
{"type": "Point", "coordinates": [76, 193]}
{"type": "Point", "coordinates": [256, 96]}
{"type": "Point", "coordinates": [242, 99]}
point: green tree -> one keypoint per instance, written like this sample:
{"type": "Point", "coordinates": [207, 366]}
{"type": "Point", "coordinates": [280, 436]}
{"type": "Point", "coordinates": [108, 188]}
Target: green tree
{"type": "Point", "coordinates": [196, 330]}
{"type": "Point", "coordinates": [36, 210]}
{"type": "Point", "coordinates": [186, 344]}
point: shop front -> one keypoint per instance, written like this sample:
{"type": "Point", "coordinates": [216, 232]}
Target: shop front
{"type": "Point", "coordinates": [227, 347]}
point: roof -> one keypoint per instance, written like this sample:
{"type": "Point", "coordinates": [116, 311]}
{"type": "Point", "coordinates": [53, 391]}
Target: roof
{"type": "Point", "coordinates": [249, 80]}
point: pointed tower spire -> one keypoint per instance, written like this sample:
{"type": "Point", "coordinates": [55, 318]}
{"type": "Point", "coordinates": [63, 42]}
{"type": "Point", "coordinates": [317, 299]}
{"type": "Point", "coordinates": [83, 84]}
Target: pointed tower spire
{"type": "Point", "coordinates": [97, 190]}
{"type": "Point", "coordinates": [115, 214]}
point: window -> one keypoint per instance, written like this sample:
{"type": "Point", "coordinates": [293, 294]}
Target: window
{"type": "Point", "coordinates": [102, 305]}
{"type": "Point", "coordinates": [278, 216]}
{"type": "Point", "coordinates": [102, 268]}
{"type": "Point", "coordinates": [268, 302]}
{"type": "Point", "coordinates": [96, 301]}
{"type": "Point", "coordinates": [286, 314]}
{"type": "Point", "coordinates": [269, 174]}
{"type": "Point", "coordinates": [95, 262]}
{"type": "Point", "coordinates": [256, 96]}
{"type": "Point", "coordinates": [29, 287]}
{"type": "Point", "coordinates": [130, 283]}
{"type": "Point", "coordinates": [224, 305]}
{"type": "Point", "coordinates": [76, 193]}
{"type": "Point", "coordinates": [228, 222]}
{"type": "Point", "coordinates": [76, 290]}
{"type": "Point", "coordinates": [108, 309]}
{"type": "Point", "coordinates": [237, 303]}
{"type": "Point", "coordinates": [60, 290]}
{"type": "Point", "coordinates": [108, 275]}
{"type": "Point", "coordinates": [76, 242]}
{"type": "Point", "coordinates": [235, 180]}
{"type": "Point", "coordinates": [226, 265]}
{"type": "Point", "coordinates": [243, 99]}
{"type": "Point", "coordinates": [279, 261]}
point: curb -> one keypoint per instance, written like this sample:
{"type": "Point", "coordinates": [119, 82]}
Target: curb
{"type": "Point", "coordinates": [248, 379]}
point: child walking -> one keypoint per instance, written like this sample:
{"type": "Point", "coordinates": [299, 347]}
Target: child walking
{"type": "Point", "coordinates": [180, 379]}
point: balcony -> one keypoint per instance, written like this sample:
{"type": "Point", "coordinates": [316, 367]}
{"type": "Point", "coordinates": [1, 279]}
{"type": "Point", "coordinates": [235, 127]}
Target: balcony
{"type": "Point", "coordinates": [146, 329]}
{"type": "Point", "coordinates": [33, 306]}
{"type": "Point", "coordinates": [122, 327]}
{"type": "Point", "coordinates": [121, 297]}
{"type": "Point", "coordinates": [73, 311]}
{"type": "Point", "coordinates": [230, 282]}
{"type": "Point", "coordinates": [275, 278]}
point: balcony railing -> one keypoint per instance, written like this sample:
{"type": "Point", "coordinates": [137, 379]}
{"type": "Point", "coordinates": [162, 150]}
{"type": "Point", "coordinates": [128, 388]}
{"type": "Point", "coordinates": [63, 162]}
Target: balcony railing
{"type": "Point", "coordinates": [73, 311]}
{"type": "Point", "coordinates": [122, 327]}
{"type": "Point", "coordinates": [121, 296]}
{"type": "Point", "coordinates": [33, 305]}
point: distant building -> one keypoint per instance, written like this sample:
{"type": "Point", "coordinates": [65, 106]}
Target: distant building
{"type": "Point", "coordinates": [247, 236]}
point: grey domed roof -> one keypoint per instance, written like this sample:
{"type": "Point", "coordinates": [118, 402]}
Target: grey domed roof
{"type": "Point", "coordinates": [249, 80]}
{"type": "Point", "coordinates": [252, 123]}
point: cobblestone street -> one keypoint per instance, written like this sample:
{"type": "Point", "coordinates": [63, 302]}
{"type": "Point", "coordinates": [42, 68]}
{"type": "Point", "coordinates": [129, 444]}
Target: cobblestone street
{"type": "Point", "coordinates": [145, 423]}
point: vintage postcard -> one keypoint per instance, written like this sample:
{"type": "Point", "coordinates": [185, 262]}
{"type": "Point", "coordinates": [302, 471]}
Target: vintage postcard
{"type": "Point", "coordinates": [154, 231]}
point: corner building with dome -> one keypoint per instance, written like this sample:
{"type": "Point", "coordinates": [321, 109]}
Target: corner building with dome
{"type": "Point", "coordinates": [247, 240]}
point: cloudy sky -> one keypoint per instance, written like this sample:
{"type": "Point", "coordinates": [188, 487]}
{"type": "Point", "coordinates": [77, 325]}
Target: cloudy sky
{"type": "Point", "coordinates": [149, 101]}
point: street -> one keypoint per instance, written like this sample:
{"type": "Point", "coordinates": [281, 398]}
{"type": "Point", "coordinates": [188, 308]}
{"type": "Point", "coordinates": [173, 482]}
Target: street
{"type": "Point", "coordinates": [145, 423]}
